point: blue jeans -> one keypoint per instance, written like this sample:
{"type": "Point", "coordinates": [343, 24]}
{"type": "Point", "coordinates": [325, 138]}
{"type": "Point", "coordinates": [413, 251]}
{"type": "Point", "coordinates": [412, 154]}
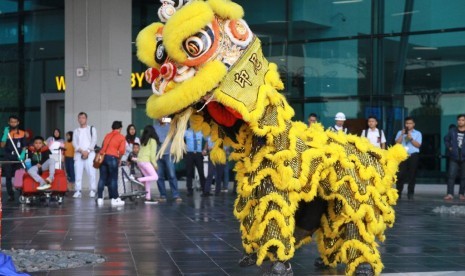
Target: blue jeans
{"type": "Point", "coordinates": [166, 168]}
{"type": "Point", "coordinates": [109, 177]}
{"type": "Point", "coordinates": [454, 168]}
{"type": "Point", "coordinates": [69, 167]}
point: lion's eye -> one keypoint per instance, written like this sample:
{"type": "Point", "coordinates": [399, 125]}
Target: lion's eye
{"type": "Point", "coordinates": [160, 53]}
{"type": "Point", "coordinates": [194, 46]}
{"type": "Point", "coordinates": [198, 44]}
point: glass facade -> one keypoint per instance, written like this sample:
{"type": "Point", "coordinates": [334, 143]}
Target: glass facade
{"type": "Point", "coordinates": [31, 55]}
{"type": "Point", "coordinates": [389, 58]}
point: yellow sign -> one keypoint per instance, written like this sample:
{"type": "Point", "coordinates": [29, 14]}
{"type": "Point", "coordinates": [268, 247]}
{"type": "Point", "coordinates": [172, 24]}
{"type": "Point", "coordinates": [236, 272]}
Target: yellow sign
{"type": "Point", "coordinates": [137, 81]}
{"type": "Point", "coordinates": [60, 81]}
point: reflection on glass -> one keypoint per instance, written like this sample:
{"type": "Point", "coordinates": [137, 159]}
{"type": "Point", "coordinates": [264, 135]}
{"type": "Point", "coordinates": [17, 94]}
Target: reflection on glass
{"type": "Point", "coordinates": [425, 15]}
{"type": "Point", "coordinates": [337, 68]}
{"type": "Point", "coordinates": [433, 64]}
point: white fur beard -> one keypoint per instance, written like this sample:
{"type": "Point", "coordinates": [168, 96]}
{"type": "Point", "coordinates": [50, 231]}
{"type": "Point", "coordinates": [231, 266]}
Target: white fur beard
{"type": "Point", "coordinates": [176, 135]}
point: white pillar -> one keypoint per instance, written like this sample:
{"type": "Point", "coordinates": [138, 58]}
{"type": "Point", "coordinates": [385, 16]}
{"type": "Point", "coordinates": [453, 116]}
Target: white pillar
{"type": "Point", "coordinates": [98, 41]}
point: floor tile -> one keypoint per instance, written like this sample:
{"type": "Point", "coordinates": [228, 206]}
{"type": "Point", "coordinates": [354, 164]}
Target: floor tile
{"type": "Point", "coordinates": [200, 236]}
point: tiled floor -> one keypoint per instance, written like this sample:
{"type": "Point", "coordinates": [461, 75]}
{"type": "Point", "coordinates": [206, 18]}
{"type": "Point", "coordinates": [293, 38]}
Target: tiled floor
{"type": "Point", "coordinates": [200, 237]}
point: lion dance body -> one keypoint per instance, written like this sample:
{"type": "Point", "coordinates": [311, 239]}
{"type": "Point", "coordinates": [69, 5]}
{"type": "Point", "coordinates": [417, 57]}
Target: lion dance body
{"type": "Point", "coordinates": [207, 67]}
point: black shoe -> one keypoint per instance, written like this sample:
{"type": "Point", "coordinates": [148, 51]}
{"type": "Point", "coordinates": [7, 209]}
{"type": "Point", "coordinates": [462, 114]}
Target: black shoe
{"type": "Point", "coordinates": [410, 196]}
{"type": "Point", "coordinates": [248, 260]}
{"type": "Point", "coordinates": [364, 269]}
{"type": "Point", "coordinates": [205, 194]}
{"type": "Point", "coordinates": [318, 263]}
{"type": "Point", "coordinates": [11, 198]}
{"type": "Point", "coordinates": [280, 269]}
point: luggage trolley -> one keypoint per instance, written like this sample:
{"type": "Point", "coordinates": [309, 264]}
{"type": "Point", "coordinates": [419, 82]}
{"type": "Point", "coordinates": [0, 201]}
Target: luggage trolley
{"type": "Point", "coordinates": [30, 194]}
{"type": "Point", "coordinates": [128, 186]}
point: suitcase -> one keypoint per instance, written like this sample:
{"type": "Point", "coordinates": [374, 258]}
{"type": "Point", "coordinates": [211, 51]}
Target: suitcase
{"type": "Point", "coordinates": [18, 180]}
{"type": "Point", "coordinates": [59, 184]}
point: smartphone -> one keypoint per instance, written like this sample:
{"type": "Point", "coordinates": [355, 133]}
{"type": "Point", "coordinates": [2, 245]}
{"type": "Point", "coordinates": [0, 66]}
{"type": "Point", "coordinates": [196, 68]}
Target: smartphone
{"type": "Point", "coordinates": [166, 120]}
{"type": "Point", "coordinates": [406, 130]}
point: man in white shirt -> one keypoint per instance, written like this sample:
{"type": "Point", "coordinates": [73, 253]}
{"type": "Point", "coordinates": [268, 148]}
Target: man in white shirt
{"type": "Point", "coordinates": [84, 141]}
{"type": "Point", "coordinates": [373, 134]}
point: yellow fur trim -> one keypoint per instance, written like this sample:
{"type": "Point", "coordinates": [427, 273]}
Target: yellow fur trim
{"type": "Point", "coordinates": [272, 77]}
{"type": "Point", "coordinates": [218, 155]}
{"type": "Point", "coordinates": [303, 242]}
{"type": "Point", "coordinates": [281, 252]}
{"type": "Point", "coordinates": [226, 9]}
{"type": "Point", "coordinates": [184, 23]}
{"type": "Point", "coordinates": [146, 44]}
{"type": "Point", "coordinates": [188, 92]}
{"type": "Point", "coordinates": [196, 121]}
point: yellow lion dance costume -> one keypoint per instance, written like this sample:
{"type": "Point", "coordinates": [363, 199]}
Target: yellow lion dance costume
{"type": "Point", "coordinates": [206, 56]}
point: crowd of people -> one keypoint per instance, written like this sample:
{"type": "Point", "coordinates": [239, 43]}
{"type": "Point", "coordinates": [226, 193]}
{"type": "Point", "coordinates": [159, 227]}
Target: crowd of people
{"type": "Point", "coordinates": [411, 139]}
{"type": "Point", "coordinates": [78, 149]}
{"type": "Point", "coordinates": [76, 153]}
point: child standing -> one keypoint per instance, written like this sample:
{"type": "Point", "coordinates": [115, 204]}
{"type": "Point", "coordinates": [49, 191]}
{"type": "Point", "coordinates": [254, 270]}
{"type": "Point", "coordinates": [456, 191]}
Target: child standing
{"type": "Point", "coordinates": [69, 160]}
{"type": "Point", "coordinates": [41, 161]}
{"type": "Point", "coordinates": [147, 161]}
{"type": "Point", "coordinates": [132, 161]}
{"type": "Point", "coordinates": [55, 144]}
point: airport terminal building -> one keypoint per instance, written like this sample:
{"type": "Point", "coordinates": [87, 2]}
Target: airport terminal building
{"type": "Point", "coordinates": [390, 59]}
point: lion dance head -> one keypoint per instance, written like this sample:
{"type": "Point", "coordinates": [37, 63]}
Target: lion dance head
{"type": "Point", "coordinates": [203, 51]}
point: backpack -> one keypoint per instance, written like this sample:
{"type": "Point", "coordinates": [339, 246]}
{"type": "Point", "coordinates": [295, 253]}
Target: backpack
{"type": "Point", "coordinates": [344, 129]}
{"type": "Point", "coordinates": [380, 132]}
{"type": "Point", "coordinates": [380, 135]}
{"type": "Point", "coordinates": [96, 148]}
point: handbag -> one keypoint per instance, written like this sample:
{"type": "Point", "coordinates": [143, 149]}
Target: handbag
{"type": "Point", "coordinates": [98, 160]}
{"type": "Point", "coordinates": [100, 156]}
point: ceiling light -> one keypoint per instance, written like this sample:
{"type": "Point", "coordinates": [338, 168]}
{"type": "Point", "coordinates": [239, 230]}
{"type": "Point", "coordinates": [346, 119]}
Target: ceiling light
{"type": "Point", "coordinates": [346, 1]}
{"type": "Point", "coordinates": [425, 48]}
{"type": "Point", "coordinates": [404, 13]}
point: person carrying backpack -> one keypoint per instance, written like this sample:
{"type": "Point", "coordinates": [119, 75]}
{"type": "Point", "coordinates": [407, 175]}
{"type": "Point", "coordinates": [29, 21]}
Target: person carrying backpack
{"type": "Point", "coordinates": [84, 141]}
{"type": "Point", "coordinates": [373, 134]}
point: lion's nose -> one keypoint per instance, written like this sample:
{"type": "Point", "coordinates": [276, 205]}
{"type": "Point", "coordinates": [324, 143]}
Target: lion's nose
{"type": "Point", "coordinates": [168, 71]}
